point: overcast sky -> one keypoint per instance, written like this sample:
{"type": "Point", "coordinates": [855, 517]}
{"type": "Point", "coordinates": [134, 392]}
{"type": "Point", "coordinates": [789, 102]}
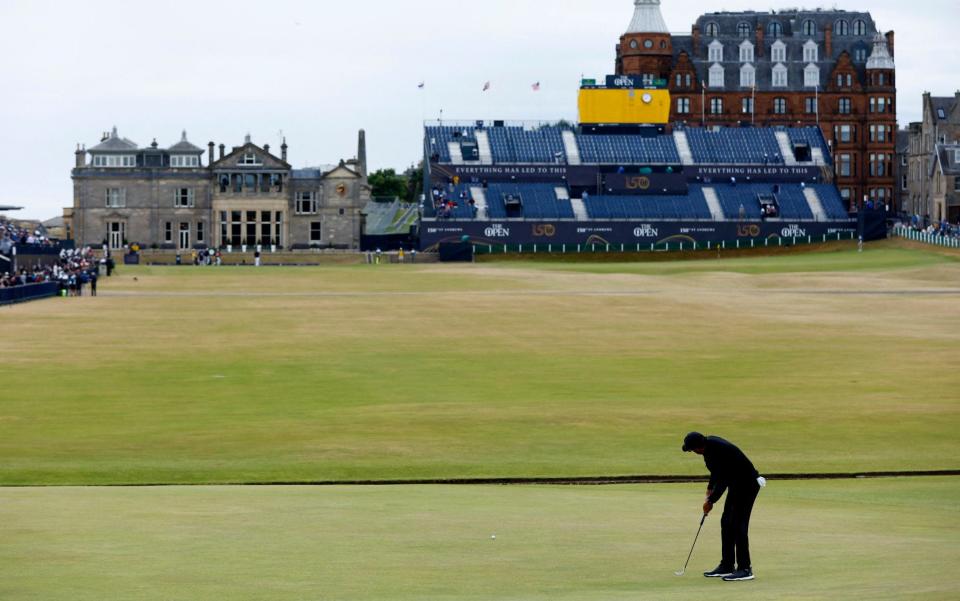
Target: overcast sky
{"type": "Point", "coordinates": [319, 70]}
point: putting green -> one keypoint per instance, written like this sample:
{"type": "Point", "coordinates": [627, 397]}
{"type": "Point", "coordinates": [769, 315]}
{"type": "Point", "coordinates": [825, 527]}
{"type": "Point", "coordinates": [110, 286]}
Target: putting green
{"type": "Point", "coordinates": [849, 540]}
{"type": "Point", "coordinates": [829, 362]}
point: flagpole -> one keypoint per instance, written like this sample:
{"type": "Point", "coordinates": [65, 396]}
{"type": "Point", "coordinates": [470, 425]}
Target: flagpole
{"type": "Point", "coordinates": [703, 103]}
{"type": "Point", "coordinates": [816, 101]}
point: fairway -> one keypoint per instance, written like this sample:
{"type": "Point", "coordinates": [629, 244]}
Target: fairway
{"type": "Point", "coordinates": [853, 540]}
{"type": "Point", "coordinates": [829, 362]}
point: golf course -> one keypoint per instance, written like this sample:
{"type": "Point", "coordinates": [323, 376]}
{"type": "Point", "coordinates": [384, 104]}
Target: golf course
{"type": "Point", "coordinates": [203, 432]}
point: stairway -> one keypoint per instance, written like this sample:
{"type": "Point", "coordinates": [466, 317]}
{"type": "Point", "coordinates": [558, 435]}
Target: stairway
{"type": "Point", "coordinates": [683, 147]}
{"type": "Point", "coordinates": [713, 201]}
{"type": "Point", "coordinates": [813, 199]}
{"type": "Point", "coordinates": [579, 209]}
{"type": "Point", "coordinates": [786, 148]}
{"type": "Point", "coordinates": [479, 196]}
{"type": "Point", "coordinates": [456, 155]}
{"type": "Point", "coordinates": [483, 146]}
{"type": "Point", "coordinates": [571, 148]}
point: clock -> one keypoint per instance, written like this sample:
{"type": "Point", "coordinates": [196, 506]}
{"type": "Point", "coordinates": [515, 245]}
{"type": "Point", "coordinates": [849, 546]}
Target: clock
{"type": "Point", "coordinates": [648, 44]}
{"type": "Point", "coordinates": [647, 98]}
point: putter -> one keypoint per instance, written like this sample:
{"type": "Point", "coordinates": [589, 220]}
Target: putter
{"type": "Point", "coordinates": [684, 569]}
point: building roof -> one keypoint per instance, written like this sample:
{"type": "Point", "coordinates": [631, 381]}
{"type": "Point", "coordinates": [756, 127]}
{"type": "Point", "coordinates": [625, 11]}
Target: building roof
{"type": "Point", "coordinates": [903, 141]}
{"type": "Point", "coordinates": [947, 155]}
{"type": "Point", "coordinates": [10, 208]}
{"type": "Point", "coordinates": [880, 58]}
{"type": "Point", "coordinates": [858, 47]}
{"type": "Point", "coordinates": [114, 143]}
{"type": "Point", "coordinates": [647, 18]}
{"type": "Point", "coordinates": [184, 146]}
{"type": "Point", "coordinates": [942, 105]}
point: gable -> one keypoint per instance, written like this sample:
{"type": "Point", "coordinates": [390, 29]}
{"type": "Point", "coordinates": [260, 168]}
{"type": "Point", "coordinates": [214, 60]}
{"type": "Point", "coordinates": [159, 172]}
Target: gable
{"type": "Point", "coordinates": [250, 156]}
{"type": "Point", "coordinates": [341, 172]}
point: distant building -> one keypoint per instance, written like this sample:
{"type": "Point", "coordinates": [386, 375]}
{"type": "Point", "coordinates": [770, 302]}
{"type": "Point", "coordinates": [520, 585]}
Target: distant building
{"type": "Point", "coordinates": [928, 157]}
{"type": "Point", "coordinates": [168, 198]}
{"type": "Point", "coordinates": [830, 68]}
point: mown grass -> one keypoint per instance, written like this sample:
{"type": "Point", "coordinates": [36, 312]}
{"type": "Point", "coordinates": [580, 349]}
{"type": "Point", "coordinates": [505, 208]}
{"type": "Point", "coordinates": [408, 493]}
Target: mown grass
{"type": "Point", "coordinates": [879, 540]}
{"type": "Point", "coordinates": [200, 375]}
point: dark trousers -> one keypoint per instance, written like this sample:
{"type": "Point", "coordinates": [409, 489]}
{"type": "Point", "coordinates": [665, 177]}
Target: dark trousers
{"type": "Point", "coordinates": [735, 524]}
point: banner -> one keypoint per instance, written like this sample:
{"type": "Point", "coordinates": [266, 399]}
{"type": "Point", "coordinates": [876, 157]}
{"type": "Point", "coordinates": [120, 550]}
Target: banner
{"type": "Point", "coordinates": [782, 174]}
{"type": "Point", "coordinates": [629, 233]}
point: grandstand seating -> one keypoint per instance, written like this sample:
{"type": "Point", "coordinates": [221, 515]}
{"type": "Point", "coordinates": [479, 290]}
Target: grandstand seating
{"type": "Point", "coordinates": [809, 135]}
{"type": "Point", "coordinates": [620, 149]}
{"type": "Point", "coordinates": [736, 146]}
{"type": "Point", "coordinates": [519, 145]}
{"type": "Point", "coordinates": [693, 206]}
{"type": "Point", "coordinates": [539, 201]}
{"type": "Point", "coordinates": [833, 204]}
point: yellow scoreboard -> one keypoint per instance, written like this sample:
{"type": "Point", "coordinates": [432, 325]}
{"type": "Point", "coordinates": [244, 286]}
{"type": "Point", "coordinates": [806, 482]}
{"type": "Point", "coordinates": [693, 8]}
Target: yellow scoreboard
{"type": "Point", "coordinates": [624, 105]}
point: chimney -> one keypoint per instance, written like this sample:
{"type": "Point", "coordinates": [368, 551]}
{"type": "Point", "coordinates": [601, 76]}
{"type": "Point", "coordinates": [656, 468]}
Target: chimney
{"type": "Point", "coordinates": [696, 41]}
{"type": "Point", "coordinates": [81, 156]}
{"type": "Point", "coordinates": [362, 153]}
{"type": "Point", "coordinates": [223, 151]}
{"type": "Point", "coordinates": [759, 49]}
{"type": "Point", "coordinates": [211, 146]}
{"type": "Point", "coordinates": [828, 41]}
{"type": "Point", "coordinates": [283, 150]}
{"type": "Point", "coordinates": [266, 148]}
{"type": "Point", "coordinates": [890, 42]}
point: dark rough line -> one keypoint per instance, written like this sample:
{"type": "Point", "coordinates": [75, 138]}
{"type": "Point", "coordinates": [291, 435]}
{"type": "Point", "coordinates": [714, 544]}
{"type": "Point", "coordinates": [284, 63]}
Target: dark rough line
{"type": "Point", "coordinates": [560, 481]}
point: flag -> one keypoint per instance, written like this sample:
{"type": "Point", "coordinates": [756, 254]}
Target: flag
{"type": "Point", "coordinates": [536, 87]}
{"type": "Point", "coordinates": [486, 86]}
{"type": "Point", "coordinates": [422, 85]}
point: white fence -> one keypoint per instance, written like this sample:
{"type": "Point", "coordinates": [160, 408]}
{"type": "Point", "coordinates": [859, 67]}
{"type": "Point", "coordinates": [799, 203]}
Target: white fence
{"type": "Point", "coordinates": [933, 239]}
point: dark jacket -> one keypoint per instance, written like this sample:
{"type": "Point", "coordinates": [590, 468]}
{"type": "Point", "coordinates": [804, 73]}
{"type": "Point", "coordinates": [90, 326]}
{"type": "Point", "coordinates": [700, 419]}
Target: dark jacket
{"type": "Point", "coordinates": [728, 466]}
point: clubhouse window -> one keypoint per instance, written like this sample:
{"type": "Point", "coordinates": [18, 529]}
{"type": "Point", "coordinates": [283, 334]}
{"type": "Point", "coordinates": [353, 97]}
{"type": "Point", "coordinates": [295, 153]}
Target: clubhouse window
{"type": "Point", "coordinates": [316, 231]}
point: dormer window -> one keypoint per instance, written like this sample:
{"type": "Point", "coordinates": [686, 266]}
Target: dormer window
{"type": "Point", "coordinates": [114, 161]}
{"type": "Point", "coordinates": [715, 52]}
{"type": "Point", "coordinates": [716, 76]}
{"type": "Point", "coordinates": [250, 159]}
{"type": "Point", "coordinates": [746, 52]}
{"type": "Point", "coordinates": [743, 30]}
{"type": "Point", "coordinates": [860, 55]}
{"type": "Point", "coordinates": [712, 30]}
{"type": "Point", "coordinates": [184, 161]}
{"type": "Point", "coordinates": [859, 27]}
{"type": "Point", "coordinates": [780, 76]}
{"type": "Point", "coordinates": [809, 28]}
{"type": "Point", "coordinates": [775, 30]}
{"type": "Point", "coordinates": [941, 114]}
{"type": "Point", "coordinates": [748, 76]}
{"type": "Point", "coordinates": [778, 52]}
{"type": "Point", "coordinates": [841, 28]}
{"type": "Point", "coordinates": [810, 52]}
{"type": "Point", "coordinates": [811, 76]}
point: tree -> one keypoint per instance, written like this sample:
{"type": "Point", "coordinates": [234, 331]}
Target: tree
{"type": "Point", "coordinates": [387, 184]}
{"type": "Point", "coordinates": [414, 177]}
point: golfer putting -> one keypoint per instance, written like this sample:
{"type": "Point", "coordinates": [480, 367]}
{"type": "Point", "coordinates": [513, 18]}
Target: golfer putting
{"type": "Point", "coordinates": [731, 472]}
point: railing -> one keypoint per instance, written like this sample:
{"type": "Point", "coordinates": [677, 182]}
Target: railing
{"type": "Point", "coordinates": [909, 233]}
{"type": "Point", "coordinates": [752, 243]}
{"type": "Point", "coordinates": [20, 294]}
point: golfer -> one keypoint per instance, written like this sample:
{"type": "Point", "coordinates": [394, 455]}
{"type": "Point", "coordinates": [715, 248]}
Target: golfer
{"type": "Point", "coordinates": [730, 471]}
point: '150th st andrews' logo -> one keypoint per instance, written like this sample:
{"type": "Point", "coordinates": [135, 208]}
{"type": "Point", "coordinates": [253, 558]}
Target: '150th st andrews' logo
{"type": "Point", "coordinates": [544, 230]}
{"type": "Point", "coordinates": [497, 231]}
{"type": "Point", "coordinates": [646, 231]}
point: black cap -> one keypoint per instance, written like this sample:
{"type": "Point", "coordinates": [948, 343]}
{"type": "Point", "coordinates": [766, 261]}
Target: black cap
{"type": "Point", "coordinates": [694, 440]}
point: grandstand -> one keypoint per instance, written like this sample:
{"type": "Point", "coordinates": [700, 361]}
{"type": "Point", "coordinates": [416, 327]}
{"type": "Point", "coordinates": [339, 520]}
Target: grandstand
{"type": "Point", "coordinates": [484, 180]}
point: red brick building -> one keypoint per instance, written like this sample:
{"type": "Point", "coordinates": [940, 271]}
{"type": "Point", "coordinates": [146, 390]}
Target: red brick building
{"type": "Point", "coordinates": [830, 68]}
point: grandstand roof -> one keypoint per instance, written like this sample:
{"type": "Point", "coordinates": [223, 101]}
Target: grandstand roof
{"type": "Point", "coordinates": [647, 18]}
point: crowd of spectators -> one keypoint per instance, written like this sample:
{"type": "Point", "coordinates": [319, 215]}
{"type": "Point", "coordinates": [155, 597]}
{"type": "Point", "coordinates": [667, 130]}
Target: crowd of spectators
{"type": "Point", "coordinates": [943, 228]}
{"type": "Point", "coordinates": [445, 202]}
{"type": "Point", "coordinates": [73, 271]}
{"type": "Point", "coordinates": [13, 234]}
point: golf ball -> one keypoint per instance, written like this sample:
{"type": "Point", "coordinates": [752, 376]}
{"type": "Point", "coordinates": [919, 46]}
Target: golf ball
{"type": "Point", "coordinates": [493, 537]}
